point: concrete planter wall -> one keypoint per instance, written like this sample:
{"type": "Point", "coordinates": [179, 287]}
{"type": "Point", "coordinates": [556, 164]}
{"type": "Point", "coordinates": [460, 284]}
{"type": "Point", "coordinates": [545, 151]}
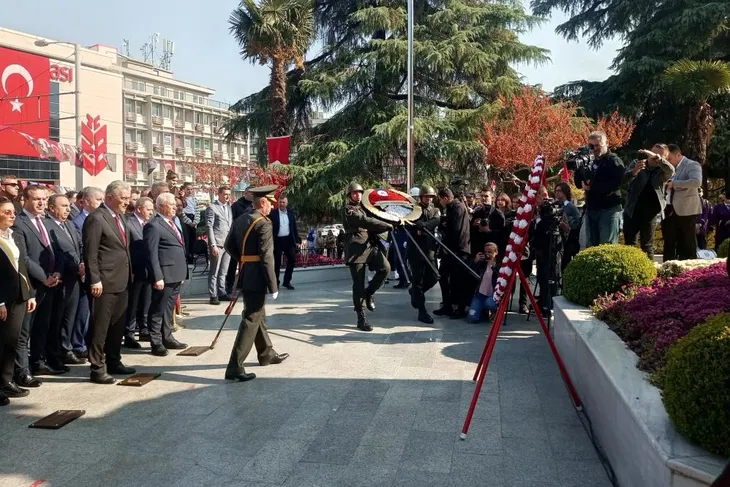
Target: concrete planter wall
{"type": "Point", "coordinates": [627, 413]}
{"type": "Point", "coordinates": [198, 285]}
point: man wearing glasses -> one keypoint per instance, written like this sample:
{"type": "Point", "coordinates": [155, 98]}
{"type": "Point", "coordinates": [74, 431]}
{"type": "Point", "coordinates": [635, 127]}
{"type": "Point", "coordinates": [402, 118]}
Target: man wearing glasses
{"type": "Point", "coordinates": [10, 188]}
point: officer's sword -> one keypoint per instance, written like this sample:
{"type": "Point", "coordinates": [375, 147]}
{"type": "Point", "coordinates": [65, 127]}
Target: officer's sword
{"type": "Point", "coordinates": [450, 252]}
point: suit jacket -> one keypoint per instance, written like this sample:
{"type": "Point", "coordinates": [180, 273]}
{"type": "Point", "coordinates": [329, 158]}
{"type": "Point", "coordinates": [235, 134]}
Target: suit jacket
{"type": "Point", "coordinates": [106, 256]}
{"type": "Point", "coordinates": [456, 228]}
{"type": "Point", "coordinates": [166, 259]}
{"type": "Point", "coordinates": [67, 247]}
{"type": "Point", "coordinates": [79, 220]}
{"type": "Point", "coordinates": [74, 212]}
{"type": "Point", "coordinates": [218, 220]}
{"type": "Point", "coordinates": [257, 277]}
{"type": "Point", "coordinates": [19, 288]}
{"type": "Point", "coordinates": [240, 207]}
{"type": "Point", "coordinates": [276, 223]}
{"type": "Point", "coordinates": [685, 193]}
{"type": "Point", "coordinates": [657, 177]}
{"type": "Point", "coordinates": [137, 247]}
{"type": "Point", "coordinates": [40, 261]}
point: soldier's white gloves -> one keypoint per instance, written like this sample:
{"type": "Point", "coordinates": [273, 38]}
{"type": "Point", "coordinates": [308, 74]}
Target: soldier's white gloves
{"type": "Point", "coordinates": [273, 296]}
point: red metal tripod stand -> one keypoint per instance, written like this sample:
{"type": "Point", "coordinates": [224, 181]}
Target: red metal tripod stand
{"type": "Point", "coordinates": [481, 371]}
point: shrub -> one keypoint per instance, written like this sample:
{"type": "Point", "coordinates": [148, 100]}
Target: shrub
{"type": "Point", "coordinates": [696, 385]}
{"type": "Point", "coordinates": [652, 318]}
{"type": "Point", "coordinates": [723, 249]}
{"type": "Point", "coordinates": [673, 268]}
{"type": "Point", "coordinates": [604, 270]}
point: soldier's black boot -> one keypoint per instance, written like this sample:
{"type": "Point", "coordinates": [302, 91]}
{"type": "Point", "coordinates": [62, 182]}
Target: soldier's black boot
{"type": "Point", "coordinates": [362, 321]}
{"type": "Point", "coordinates": [370, 301]}
{"type": "Point", "coordinates": [424, 317]}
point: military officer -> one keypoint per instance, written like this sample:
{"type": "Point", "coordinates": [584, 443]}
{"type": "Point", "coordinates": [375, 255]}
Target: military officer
{"type": "Point", "coordinates": [250, 242]}
{"type": "Point", "coordinates": [423, 276]}
{"type": "Point", "coordinates": [362, 251]}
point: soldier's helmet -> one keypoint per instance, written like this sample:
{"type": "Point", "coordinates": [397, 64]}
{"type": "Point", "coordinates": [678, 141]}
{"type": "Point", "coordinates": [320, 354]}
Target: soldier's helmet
{"type": "Point", "coordinates": [415, 192]}
{"type": "Point", "coordinates": [354, 187]}
{"type": "Point", "coordinates": [426, 190]}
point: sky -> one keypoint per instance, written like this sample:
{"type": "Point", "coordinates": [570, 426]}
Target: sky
{"type": "Point", "coordinates": [206, 54]}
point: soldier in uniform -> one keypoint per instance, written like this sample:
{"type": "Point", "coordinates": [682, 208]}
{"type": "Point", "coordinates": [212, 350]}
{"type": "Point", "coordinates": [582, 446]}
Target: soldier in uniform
{"type": "Point", "coordinates": [362, 251]}
{"type": "Point", "coordinates": [251, 243]}
{"type": "Point", "coordinates": [423, 276]}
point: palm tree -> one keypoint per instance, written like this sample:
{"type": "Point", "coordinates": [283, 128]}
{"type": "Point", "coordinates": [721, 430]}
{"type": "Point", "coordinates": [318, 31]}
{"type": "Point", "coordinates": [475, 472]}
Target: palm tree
{"type": "Point", "coordinates": [275, 33]}
{"type": "Point", "coordinates": [696, 82]}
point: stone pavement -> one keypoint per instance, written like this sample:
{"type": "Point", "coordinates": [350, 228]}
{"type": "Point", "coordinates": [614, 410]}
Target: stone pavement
{"type": "Point", "coordinates": [347, 409]}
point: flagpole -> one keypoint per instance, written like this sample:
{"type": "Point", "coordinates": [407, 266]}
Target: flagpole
{"type": "Point", "coordinates": [410, 169]}
{"type": "Point", "coordinates": [77, 89]}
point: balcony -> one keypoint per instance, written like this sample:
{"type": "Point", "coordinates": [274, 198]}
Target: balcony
{"type": "Point", "coordinates": [199, 152]}
{"type": "Point", "coordinates": [131, 146]}
{"type": "Point", "coordinates": [157, 120]}
{"type": "Point", "coordinates": [199, 128]}
{"type": "Point", "coordinates": [179, 124]}
{"type": "Point", "coordinates": [158, 148]}
{"type": "Point", "coordinates": [130, 117]}
{"type": "Point", "coordinates": [217, 155]}
{"type": "Point", "coordinates": [179, 151]}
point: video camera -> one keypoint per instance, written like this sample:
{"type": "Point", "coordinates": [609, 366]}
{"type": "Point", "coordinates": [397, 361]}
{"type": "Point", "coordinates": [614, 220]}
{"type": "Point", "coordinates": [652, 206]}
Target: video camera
{"type": "Point", "coordinates": [551, 208]}
{"type": "Point", "coordinates": [581, 160]}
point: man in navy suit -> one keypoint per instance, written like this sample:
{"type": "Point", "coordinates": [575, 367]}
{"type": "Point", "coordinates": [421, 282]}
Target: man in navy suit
{"type": "Point", "coordinates": [286, 240]}
{"type": "Point", "coordinates": [66, 241]}
{"type": "Point", "coordinates": [140, 293]}
{"type": "Point", "coordinates": [166, 270]}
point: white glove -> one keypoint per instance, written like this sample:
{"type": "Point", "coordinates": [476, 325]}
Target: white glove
{"type": "Point", "coordinates": [273, 296]}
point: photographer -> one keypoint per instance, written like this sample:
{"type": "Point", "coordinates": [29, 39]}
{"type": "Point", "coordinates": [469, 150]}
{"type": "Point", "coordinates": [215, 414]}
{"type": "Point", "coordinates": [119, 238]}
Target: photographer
{"type": "Point", "coordinates": [645, 200]}
{"type": "Point", "coordinates": [602, 183]}
{"type": "Point", "coordinates": [571, 224]}
{"type": "Point", "coordinates": [548, 234]}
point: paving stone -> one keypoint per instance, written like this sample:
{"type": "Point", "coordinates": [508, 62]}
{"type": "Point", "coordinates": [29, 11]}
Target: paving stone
{"type": "Point", "coordinates": [428, 451]}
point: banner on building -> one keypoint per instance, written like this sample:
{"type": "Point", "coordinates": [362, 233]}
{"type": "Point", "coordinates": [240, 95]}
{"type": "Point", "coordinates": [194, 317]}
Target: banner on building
{"type": "Point", "coordinates": [278, 149]}
{"type": "Point", "coordinates": [43, 148]}
{"type": "Point", "coordinates": [130, 166]}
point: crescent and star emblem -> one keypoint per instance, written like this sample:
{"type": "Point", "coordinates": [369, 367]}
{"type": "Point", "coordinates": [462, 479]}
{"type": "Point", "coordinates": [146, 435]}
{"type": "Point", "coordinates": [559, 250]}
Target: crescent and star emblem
{"type": "Point", "coordinates": [10, 70]}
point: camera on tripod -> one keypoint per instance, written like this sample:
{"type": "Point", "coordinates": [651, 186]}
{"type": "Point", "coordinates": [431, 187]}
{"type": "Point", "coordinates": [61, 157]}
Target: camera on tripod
{"type": "Point", "coordinates": [581, 160]}
{"type": "Point", "coordinates": [552, 208]}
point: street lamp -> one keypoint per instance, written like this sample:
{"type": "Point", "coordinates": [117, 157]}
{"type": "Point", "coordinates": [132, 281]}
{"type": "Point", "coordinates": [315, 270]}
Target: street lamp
{"type": "Point", "coordinates": [410, 166]}
{"type": "Point", "coordinates": [77, 91]}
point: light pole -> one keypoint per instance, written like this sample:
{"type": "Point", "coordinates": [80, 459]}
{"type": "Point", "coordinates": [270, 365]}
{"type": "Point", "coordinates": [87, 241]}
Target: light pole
{"type": "Point", "coordinates": [77, 96]}
{"type": "Point", "coordinates": [410, 169]}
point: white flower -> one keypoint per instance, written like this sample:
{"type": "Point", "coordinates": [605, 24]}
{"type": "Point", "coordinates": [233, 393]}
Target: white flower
{"type": "Point", "coordinates": [513, 257]}
{"type": "Point", "coordinates": [523, 199]}
{"type": "Point", "coordinates": [512, 236]}
{"type": "Point", "coordinates": [523, 224]}
{"type": "Point", "coordinates": [502, 281]}
{"type": "Point", "coordinates": [532, 193]}
{"type": "Point", "coordinates": [520, 210]}
{"type": "Point", "coordinates": [508, 249]}
{"type": "Point", "coordinates": [528, 208]}
{"type": "Point", "coordinates": [508, 271]}
{"type": "Point", "coordinates": [518, 240]}
{"type": "Point", "coordinates": [535, 180]}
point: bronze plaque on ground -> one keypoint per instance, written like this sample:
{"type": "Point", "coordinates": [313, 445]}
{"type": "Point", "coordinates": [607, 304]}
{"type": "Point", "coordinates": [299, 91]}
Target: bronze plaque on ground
{"type": "Point", "coordinates": [138, 380]}
{"type": "Point", "coordinates": [58, 420]}
{"type": "Point", "coordinates": [194, 351]}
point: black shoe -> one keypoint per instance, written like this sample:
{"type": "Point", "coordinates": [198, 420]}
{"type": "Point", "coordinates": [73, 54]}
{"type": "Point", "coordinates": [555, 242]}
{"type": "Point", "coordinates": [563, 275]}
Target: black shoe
{"type": "Point", "coordinates": [401, 285]}
{"type": "Point", "coordinates": [27, 380]}
{"type": "Point", "coordinates": [289, 287]}
{"type": "Point", "coordinates": [424, 317]}
{"type": "Point", "coordinates": [71, 359]}
{"type": "Point", "coordinates": [362, 322]}
{"type": "Point", "coordinates": [277, 359]}
{"type": "Point", "coordinates": [242, 377]}
{"type": "Point", "coordinates": [46, 369]}
{"type": "Point", "coordinates": [59, 365]}
{"type": "Point", "coordinates": [82, 353]}
{"type": "Point", "coordinates": [159, 351]}
{"type": "Point", "coordinates": [4, 401]}
{"type": "Point", "coordinates": [144, 336]}
{"type": "Point", "coordinates": [175, 345]}
{"type": "Point", "coordinates": [370, 302]}
{"type": "Point", "coordinates": [102, 378]}
{"type": "Point", "coordinates": [444, 311]}
{"type": "Point", "coordinates": [120, 369]}
{"type": "Point", "coordinates": [215, 301]}
{"type": "Point", "coordinates": [524, 310]}
{"type": "Point", "coordinates": [458, 315]}
{"type": "Point", "coordinates": [225, 297]}
{"type": "Point", "coordinates": [130, 342]}
{"type": "Point", "coordinates": [12, 390]}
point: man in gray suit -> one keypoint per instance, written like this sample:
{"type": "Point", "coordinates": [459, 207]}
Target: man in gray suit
{"type": "Point", "coordinates": [218, 220]}
{"type": "Point", "coordinates": [683, 206]}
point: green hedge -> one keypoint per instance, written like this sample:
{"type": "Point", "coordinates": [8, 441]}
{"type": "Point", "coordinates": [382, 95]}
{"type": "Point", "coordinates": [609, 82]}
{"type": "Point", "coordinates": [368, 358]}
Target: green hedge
{"type": "Point", "coordinates": [605, 269]}
{"type": "Point", "coordinates": [696, 384]}
{"type": "Point", "coordinates": [723, 250]}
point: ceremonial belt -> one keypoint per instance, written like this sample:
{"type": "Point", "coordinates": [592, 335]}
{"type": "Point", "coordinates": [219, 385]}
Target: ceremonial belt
{"type": "Point", "coordinates": [249, 258]}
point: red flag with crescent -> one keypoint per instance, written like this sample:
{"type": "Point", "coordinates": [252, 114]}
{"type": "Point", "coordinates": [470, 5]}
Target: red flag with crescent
{"type": "Point", "coordinates": [25, 82]}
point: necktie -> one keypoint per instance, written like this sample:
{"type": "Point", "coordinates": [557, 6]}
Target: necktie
{"type": "Point", "coordinates": [44, 239]}
{"type": "Point", "coordinates": [177, 232]}
{"type": "Point", "coordinates": [121, 230]}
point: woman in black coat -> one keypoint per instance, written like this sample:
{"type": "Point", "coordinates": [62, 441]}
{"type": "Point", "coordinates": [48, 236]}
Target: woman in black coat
{"type": "Point", "coordinates": [17, 298]}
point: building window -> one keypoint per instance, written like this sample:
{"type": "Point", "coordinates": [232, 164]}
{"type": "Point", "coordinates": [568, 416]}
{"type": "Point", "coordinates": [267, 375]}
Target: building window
{"type": "Point", "coordinates": [138, 108]}
{"type": "Point", "coordinates": [206, 144]}
{"type": "Point", "coordinates": [129, 135]}
{"type": "Point", "coordinates": [142, 137]}
{"type": "Point", "coordinates": [188, 142]}
{"type": "Point", "coordinates": [167, 111]}
{"type": "Point", "coordinates": [179, 95]}
{"type": "Point", "coordinates": [128, 105]}
{"type": "Point", "coordinates": [167, 139]}
{"type": "Point", "coordinates": [156, 110]}
{"type": "Point", "coordinates": [206, 119]}
{"type": "Point", "coordinates": [189, 116]}
{"type": "Point", "coordinates": [139, 85]}
{"type": "Point", "coordinates": [198, 117]}
{"type": "Point", "coordinates": [157, 137]}
{"type": "Point", "coordinates": [178, 141]}
{"type": "Point", "coordinates": [178, 113]}
{"type": "Point", "coordinates": [198, 143]}
{"type": "Point", "coordinates": [54, 132]}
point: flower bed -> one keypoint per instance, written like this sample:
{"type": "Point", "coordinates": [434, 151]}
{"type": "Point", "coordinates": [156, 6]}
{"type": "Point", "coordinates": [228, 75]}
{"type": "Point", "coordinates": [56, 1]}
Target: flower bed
{"type": "Point", "coordinates": [308, 259]}
{"type": "Point", "coordinates": [650, 319]}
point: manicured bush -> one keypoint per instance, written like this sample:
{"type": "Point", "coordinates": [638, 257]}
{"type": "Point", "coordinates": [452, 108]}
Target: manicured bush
{"type": "Point", "coordinates": [652, 318]}
{"type": "Point", "coordinates": [604, 270]}
{"type": "Point", "coordinates": [697, 385]}
{"type": "Point", "coordinates": [722, 251]}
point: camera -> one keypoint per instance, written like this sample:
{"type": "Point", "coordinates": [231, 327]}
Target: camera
{"type": "Point", "coordinates": [581, 160]}
{"type": "Point", "coordinates": [551, 208]}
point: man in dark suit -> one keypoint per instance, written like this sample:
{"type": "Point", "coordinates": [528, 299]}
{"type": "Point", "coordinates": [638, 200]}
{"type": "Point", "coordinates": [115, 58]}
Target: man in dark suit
{"type": "Point", "coordinates": [286, 240]}
{"type": "Point", "coordinates": [140, 293]}
{"type": "Point", "coordinates": [66, 242]}
{"type": "Point", "coordinates": [251, 243]}
{"type": "Point", "coordinates": [108, 273]}
{"type": "Point", "coordinates": [44, 270]}
{"type": "Point", "coordinates": [166, 270]}
{"type": "Point", "coordinates": [74, 210]}
{"type": "Point", "coordinates": [241, 206]}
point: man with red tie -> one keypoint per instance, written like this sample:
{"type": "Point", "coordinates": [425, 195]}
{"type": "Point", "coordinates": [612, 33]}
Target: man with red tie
{"type": "Point", "coordinates": [166, 270]}
{"type": "Point", "coordinates": [108, 273]}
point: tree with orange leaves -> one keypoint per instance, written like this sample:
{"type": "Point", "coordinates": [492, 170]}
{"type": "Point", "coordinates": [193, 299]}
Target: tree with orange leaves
{"type": "Point", "coordinates": [272, 174]}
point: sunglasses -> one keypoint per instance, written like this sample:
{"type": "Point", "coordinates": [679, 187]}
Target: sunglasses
{"type": "Point", "coordinates": [15, 185]}
{"type": "Point", "coordinates": [8, 212]}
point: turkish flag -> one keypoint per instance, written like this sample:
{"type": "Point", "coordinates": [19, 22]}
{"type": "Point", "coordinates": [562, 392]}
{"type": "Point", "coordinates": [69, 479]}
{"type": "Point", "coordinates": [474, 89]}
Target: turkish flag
{"type": "Point", "coordinates": [278, 149]}
{"type": "Point", "coordinates": [25, 82]}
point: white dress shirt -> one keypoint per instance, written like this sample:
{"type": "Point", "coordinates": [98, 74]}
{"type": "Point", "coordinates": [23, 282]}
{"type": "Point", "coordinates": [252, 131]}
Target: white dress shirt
{"type": "Point", "coordinates": [283, 224]}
